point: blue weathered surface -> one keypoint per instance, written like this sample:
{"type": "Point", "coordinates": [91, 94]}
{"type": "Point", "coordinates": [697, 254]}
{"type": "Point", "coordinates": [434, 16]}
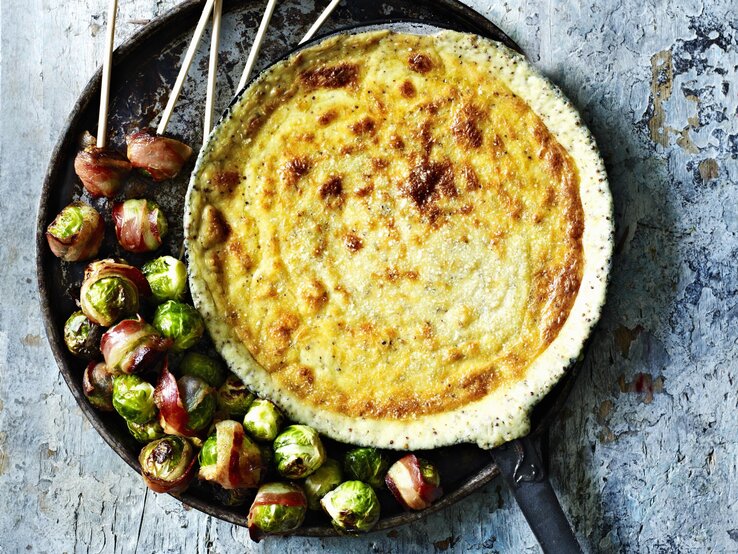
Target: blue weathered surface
{"type": "Point", "coordinates": [645, 455]}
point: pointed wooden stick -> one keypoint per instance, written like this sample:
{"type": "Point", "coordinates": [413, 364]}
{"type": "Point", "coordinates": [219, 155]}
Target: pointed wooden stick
{"type": "Point", "coordinates": [177, 88]}
{"type": "Point", "coordinates": [321, 19]}
{"type": "Point", "coordinates": [102, 118]}
{"type": "Point", "coordinates": [212, 68]}
{"type": "Point", "coordinates": [257, 45]}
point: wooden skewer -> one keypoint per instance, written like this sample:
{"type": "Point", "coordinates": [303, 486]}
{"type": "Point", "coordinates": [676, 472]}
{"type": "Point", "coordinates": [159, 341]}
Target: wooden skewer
{"type": "Point", "coordinates": [321, 19]}
{"type": "Point", "coordinates": [102, 118]}
{"type": "Point", "coordinates": [257, 45]}
{"type": "Point", "coordinates": [189, 55]}
{"type": "Point", "coordinates": [212, 68]}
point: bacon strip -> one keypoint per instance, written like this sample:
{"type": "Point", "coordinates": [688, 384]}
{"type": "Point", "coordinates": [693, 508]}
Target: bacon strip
{"type": "Point", "coordinates": [111, 268]}
{"type": "Point", "coordinates": [283, 499]}
{"type": "Point", "coordinates": [161, 157]}
{"type": "Point", "coordinates": [133, 346]}
{"type": "Point", "coordinates": [137, 228]}
{"type": "Point", "coordinates": [406, 483]}
{"type": "Point", "coordinates": [239, 462]}
{"type": "Point", "coordinates": [172, 414]}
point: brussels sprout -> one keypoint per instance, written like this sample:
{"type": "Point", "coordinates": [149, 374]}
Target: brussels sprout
{"type": "Point", "coordinates": [82, 336]}
{"type": "Point", "coordinates": [367, 465]}
{"type": "Point", "coordinates": [76, 233]}
{"type": "Point", "coordinates": [209, 452]}
{"type": "Point", "coordinates": [206, 368]}
{"type": "Point", "coordinates": [111, 291]}
{"type": "Point", "coordinates": [167, 277]}
{"type": "Point", "coordinates": [298, 451]}
{"type": "Point", "coordinates": [140, 225]}
{"type": "Point", "coordinates": [263, 420]}
{"type": "Point", "coordinates": [414, 482]}
{"type": "Point", "coordinates": [234, 398]}
{"type": "Point", "coordinates": [97, 384]}
{"type": "Point", "coordinates": [133, 398]}
{"type": "Point", "coordinates": [168, 464]}
{"type": "Point", "coordinates": [325, 479]}
{"type": "Point", "coordinates": [145, 432]}
{"type": "Point", "coordinates": [277, 508]}
{"type": "Point", "coordinates": [157, 156]}
{"type": "Point", "coordinates": [101, 170]}
{"type": "Point", "coordinates": [230, 458]}
{"type": "Point", "coordinates": [352, 506]}
{"type": "Point", "coordinates": [198, 399]}
{"type": "Point", "coordinates": [180, 322]}
{"type": "Point", "coordinates": [133, 346]}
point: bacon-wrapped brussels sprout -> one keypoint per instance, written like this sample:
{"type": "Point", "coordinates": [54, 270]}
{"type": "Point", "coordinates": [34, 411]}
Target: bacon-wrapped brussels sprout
{"type": "Point", "coordinates": [186, 406]}
{"type": "Point", "coordinates": [159, 157]}
{"type": "Point", "coordinates": [298, 451]}
{"type": "Point", "coordinates": [167, 277]}
{"type": "Point", "coordinates": [111, 291]}
{"type": "Point", "coordinates": [206, 368]}
{"type": "Point", "coordinates": [234, 398]}
{"type": "Point", "coordinates": [180, 322]}
{"type": "Point", "coordinates": [366, 464]}
{"type": "Point", "coordinates": [82, 336]}
{"type": "Point", "coordinates": [324, 480]}
{"type": "Point", "coordinates": [97, 384]}
{"type": "Point", "coordinates": [133, 398]}
{"type": "Point", "coordinates": [145, 432]}
{"type": "Point", "coordinates": [230, 458]}
{"type": "Point", "coordinates": [277, 508]}
{"type": "Point", "coordinates": [133, 346]}
{"type": "Point", "coordinates": [101, 170]}
{"type": "Point", "coordinates": [414, 482]}
{"type": "Point", "coordinates": [140, 225]}
{"type": "Point", "coordinates": [168, 464]}
{"type": "Point", "coordinates": [352, 506]}
{"type": "Point", "coordinates": [76, 233]}
{"type": "Point", "coordinates": [262, 420]}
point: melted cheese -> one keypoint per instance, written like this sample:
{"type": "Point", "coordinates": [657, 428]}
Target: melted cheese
{"type": "Point", "coordinates": [382, 230]}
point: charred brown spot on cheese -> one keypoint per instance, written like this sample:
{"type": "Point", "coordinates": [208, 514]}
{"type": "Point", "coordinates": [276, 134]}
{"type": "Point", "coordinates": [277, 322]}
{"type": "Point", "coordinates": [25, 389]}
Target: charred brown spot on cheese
{"type": "Point", "coordinates": [225, 181]}
{"type": "Point", "coordinates": [332, 188]}
{"type": "Point", "coordinates": [237, 251]}
{"type": "Point", "coordinates": [498, 146]}
{"type": "Point", "coordinates": [293, 169]}
{"type": "Point", "coordinates": [394, 274]}
{"type": "Point", "coordinates": [465, 127]}
{"type": "Point", "coordinates": [380, 163]}
{"type": "Point", "coordinates": [429, 179]}
{"type": "Point", "coordinates": [307, 375]}
{"type": "Point", "coordinates": [315, 295]}
{"type": "Point", "coordinates": [396, 142]}
{"type": "Point", "coordinates": [471, 178]}
{"type": "Point", "coordinates": [328, 117]}
{"type": "Point", "coordinates": [213, 228]}
{"type": "Point", "coordinates": [420, 63]}
{"type": "Point", "coordinates": [280, 332]}
{"type": "Point", "coordinates": [365, 126]}
{"type": "Point", "coordinates": [353, 242]}
{"type": "Point", "coordinates": [407, 89]}
{"type": "Point", "coordinates": [365, 191]}
{"type": "Point", "coordinates": [331, 76]}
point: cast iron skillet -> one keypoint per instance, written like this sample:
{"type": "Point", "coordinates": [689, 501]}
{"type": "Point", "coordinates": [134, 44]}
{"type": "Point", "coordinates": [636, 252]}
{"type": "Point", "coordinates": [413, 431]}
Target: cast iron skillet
{"type": "Point", "coordinates": [144, 68]}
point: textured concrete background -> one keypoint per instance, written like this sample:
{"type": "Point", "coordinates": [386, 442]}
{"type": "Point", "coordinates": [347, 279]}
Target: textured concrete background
{"type": "Point", "coordinates": [645, 455]}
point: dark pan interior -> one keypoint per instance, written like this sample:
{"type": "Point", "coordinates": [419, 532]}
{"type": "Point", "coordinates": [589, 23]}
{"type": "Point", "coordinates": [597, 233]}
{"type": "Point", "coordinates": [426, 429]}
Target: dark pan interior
{"type": "Point", "coordinates": [144, 70]}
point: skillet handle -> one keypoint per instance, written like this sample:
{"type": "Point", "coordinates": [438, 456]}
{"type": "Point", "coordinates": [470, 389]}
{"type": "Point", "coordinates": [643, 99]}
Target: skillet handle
{"type": "Point", "coordinates": [521, 467]}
